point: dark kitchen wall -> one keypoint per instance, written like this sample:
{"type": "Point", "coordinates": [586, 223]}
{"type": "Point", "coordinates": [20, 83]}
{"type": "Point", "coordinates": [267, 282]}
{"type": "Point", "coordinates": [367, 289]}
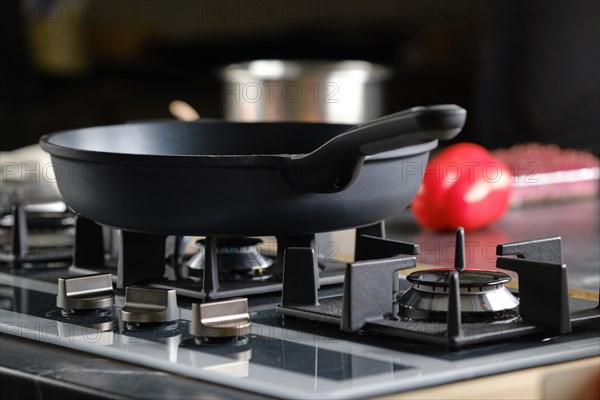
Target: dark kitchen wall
{"type": "Point", "coordinates": [526, 71]}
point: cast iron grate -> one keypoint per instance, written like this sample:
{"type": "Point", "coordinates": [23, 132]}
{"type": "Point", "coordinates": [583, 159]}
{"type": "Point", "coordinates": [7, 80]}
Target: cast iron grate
{"type": "Point", "coordinates": [372, 286]}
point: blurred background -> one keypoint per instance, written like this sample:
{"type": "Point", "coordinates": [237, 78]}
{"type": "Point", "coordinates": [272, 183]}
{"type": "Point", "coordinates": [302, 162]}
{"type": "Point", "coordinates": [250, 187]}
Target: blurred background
{"type": "Point", "coordinates": [525, 70]}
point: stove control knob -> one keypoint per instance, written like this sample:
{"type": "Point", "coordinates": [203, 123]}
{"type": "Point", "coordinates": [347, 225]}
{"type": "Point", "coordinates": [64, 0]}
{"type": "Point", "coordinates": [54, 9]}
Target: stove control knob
{"type": "Point", "coordinates": [89, 292]}
{"type": "Point", "coordinates": [223, 319]}
{"type": "Point", "coordinates": [143, 305]}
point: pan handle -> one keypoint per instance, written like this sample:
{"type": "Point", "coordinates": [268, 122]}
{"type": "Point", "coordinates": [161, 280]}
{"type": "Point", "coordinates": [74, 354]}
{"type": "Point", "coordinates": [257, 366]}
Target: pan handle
{"type": "Point", "coordinates": [335, 165]}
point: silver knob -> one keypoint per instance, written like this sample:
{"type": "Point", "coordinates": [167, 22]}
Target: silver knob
{"type": "Point", "coordinates": [223, 319]}
{"type": "Point", "coordinates": [143, 305]}
{"type": "Point", "coordinates": [85, 292]}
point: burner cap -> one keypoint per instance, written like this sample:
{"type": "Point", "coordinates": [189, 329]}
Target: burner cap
{"type": "Point", "coordinates": [473, 278]}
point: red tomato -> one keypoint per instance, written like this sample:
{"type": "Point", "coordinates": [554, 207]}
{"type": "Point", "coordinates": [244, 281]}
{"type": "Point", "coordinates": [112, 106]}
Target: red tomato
{"type": "Point", "coordinates": [463, 186]}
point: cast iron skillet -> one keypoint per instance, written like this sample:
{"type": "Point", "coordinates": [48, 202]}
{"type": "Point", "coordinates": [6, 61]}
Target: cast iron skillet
{"type": "Point", "coordinates": [225, 178]}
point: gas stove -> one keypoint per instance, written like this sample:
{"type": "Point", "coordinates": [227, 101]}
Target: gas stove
{"type": "Point", "coordinates": [278, 318]}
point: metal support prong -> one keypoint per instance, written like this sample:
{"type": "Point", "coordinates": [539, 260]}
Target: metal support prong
{"type": "Point", "coordinates": [19, 232]}
{"type": "Point", "coordinates": [372, 248]}
{"type": "Point", "coordinates": [89, 244]}
{"type": "Point", "coordinates": [210, 281]}
{"type": "Point", "coordinates": [368, 290]}
{"type": "Point", "coordinates": [454, 330]}
{"type": "Point", "coordinates": [299, 283]}
{"type": "Point", "coordinates": [545, 250]}
{"type": "Point", "coordinates": [459, 254]}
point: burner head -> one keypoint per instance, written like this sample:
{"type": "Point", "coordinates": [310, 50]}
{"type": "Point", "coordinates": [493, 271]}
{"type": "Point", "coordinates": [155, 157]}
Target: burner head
{"type": "Point", "coordinates": [482, 295]}
{"type": "Point", "coordinates": [474, 279]}
{"type": "Point", "coordinates": [238, 259]}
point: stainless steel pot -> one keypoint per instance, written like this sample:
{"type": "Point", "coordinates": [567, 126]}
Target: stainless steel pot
{"type": "Point", "coordinates": [348, 92]}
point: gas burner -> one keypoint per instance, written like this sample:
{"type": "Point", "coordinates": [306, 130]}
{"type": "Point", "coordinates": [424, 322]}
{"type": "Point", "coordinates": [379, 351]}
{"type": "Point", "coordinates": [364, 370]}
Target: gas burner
{"type": "Point", "coordinates": [451, 307]}
{"type": "Point", "coordinates": [222, 268]}
{"type": "Point", "coordinates": [41, 217]}
{"type": "Point", "coordinates": [36, 236]}
{"type": "Point", "coordinates": [238, 259]}
{"type": "Point", "coordinates": [483, 295]}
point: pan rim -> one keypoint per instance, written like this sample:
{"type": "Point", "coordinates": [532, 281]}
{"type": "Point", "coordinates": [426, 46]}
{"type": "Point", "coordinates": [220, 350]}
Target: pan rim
{"type": "Point", "coordinates": [203, 160]}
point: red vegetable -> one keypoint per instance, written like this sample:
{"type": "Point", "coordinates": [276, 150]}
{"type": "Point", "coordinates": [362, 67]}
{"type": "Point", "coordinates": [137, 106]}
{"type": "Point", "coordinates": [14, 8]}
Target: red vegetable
{"type": "Point", "coordinates": [463, 186]}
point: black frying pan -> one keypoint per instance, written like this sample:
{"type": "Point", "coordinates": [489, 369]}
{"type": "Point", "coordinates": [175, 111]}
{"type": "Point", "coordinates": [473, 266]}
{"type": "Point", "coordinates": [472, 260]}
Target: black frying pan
{"type": "Point", "coordinates": [243, 179]}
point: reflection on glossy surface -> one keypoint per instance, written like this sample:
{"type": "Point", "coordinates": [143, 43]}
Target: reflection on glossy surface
{"type": "Point", "coordinates": [577, 223]}
{"type": "Point", "coordinates": [480, 248]}
{"type": "Point", "coordinates": [163, 348]}
{"type": "Point", "coordinates": [159, 340]}
{"type": "Point", "coordinates": [289, 356]}
{"type": "Point", "coordinates": [98, 337]}
{"type": "Point", "coordinates": [100, 320]}
{"type": "Point", "coordinates": [237, 353]}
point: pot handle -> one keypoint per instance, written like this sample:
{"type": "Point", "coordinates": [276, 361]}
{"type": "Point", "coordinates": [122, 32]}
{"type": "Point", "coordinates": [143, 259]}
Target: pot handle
{"type": "Point", "coordinates": [335, 165]}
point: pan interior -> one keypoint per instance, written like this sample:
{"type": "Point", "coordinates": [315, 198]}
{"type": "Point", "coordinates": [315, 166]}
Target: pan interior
{"type": "Point", "coordinates": [201, 138]}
